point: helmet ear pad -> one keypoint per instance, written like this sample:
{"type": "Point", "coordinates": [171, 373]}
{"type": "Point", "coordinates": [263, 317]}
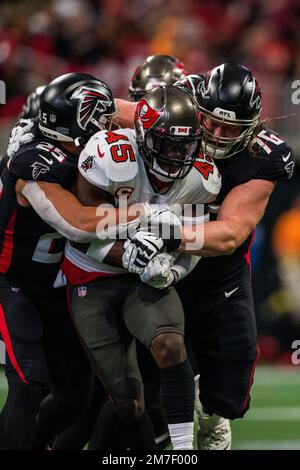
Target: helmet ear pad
{"type": "Point", "coordinates": [75, 106]}
{"type": "Point", "coordinates": [168, 131]}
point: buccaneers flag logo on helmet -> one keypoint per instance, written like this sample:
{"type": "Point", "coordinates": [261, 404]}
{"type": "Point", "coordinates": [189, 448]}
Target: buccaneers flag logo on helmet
{"type": "Point", "coordinates": [90, 100]}
{"type": "Point", "coordinates": [147, 114]}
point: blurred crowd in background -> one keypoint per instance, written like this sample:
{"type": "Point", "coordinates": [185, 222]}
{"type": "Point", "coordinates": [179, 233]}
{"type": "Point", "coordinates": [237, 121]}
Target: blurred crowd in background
{"type": "Point", "coordinates": [41, 39]}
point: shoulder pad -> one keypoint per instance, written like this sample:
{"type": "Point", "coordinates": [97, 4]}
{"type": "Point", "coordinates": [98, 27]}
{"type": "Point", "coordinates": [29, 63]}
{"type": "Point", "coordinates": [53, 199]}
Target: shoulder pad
{"type": "Point", "coordinates": [109, 158]}
{"type": "Point", "coordinates": [41, 160]}
{"type": "Point", "coordinates": [204, 180]}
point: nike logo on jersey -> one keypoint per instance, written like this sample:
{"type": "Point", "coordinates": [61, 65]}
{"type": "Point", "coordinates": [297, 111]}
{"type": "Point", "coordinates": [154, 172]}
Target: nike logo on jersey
{"type": "Point", "coordinates": [285, 158]}
{"type": "Point", "coordinates": [228, 294]}
{"type": "Point", "coordinates": [48, 160]}
{"type": "Point", "coordinates": [100, 154]}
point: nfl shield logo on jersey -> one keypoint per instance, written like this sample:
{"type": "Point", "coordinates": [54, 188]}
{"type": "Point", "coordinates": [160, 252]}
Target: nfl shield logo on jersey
{"type": "Point", "coordinates": [82, 291]}
{"type": "Point", "coordinates": [52, 118]}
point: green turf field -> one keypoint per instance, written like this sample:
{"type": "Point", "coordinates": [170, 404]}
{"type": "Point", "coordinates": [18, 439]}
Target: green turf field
{"type": "Point", "coordinates": [273, 421]}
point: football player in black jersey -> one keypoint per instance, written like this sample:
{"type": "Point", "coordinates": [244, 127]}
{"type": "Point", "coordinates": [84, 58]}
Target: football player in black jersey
{"type": "Point", "coordinates": [34, 323]}
{"type": "Point", "coordinates": [217, 295]}
{"type": "Point", "coordinates": [39, 176]}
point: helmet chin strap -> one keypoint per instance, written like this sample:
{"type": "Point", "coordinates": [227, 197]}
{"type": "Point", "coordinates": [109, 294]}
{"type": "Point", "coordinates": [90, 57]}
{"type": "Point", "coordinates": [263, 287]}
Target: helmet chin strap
{"type": "Point", "coordinates": [159, 173]}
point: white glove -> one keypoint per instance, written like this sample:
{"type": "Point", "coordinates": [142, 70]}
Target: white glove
{"type": "Point", "coordinates": [161, 221]}
{"type": "Point", "coordinates": [158, 219]}
{"type": "Point", "coordinates": [158, 272]}
{"type": "Point", "coordinates": [140, 250]}
{"type": "Point", "coordinates": [20, 134]}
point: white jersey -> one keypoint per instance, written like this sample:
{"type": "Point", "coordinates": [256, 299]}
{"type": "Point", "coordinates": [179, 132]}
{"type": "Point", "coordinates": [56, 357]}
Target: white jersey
{"type": "Point", "coordinates": [111, 161]}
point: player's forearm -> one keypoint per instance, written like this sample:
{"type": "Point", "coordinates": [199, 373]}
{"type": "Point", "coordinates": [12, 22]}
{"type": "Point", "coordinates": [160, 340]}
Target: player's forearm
{"type": "Point", "coordinates": [238, 216]}
{"type": "Point", "coordinates": [106, 251]}
{"type": "Point", "coordinates": [219, 238]}
{"type": "Point", "coordinates": [125, 117]}
{"type": "Point", "coordinates": [60, 209]}
{"type": "Point", "coordinates": [106, 220]}
{"type": "Point", "coordinates": [114, 256]}
{"type": "Point", "coordinates": [64, 217]}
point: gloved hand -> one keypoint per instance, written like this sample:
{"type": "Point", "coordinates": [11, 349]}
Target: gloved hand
{"type": "Point", "coordinates": [161, 221]}
{"type": "Point", "coordinates": [159, 273]}
{"type": "Point", "coordinates": [140, 250]}
{"type": "Point", "coordinates": [20, 134]}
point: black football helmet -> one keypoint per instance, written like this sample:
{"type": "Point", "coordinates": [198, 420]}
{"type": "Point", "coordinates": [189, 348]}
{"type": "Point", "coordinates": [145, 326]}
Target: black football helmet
{"type": "Point", "coordinates": [32, 106]}
{"type": "Point", "coordinates": [190, 83]}
{"type": "Point", "coordinates": [168, 132]}
{"type": "Point", "coordinates": [229, 98]}
{"type": "Point", "coordinates": [157, 70]}
{"type": "Point", "coordinates": [75, 106]}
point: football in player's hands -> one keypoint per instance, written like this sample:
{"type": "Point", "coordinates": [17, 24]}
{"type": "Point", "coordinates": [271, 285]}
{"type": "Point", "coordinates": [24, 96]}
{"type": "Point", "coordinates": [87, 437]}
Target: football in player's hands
{"type": "Point", "coordinates": [158, 273]}
{"type": "Point", "coordinates": [140, 250]}
{"type": "Point", "coordinates": [22, 133]}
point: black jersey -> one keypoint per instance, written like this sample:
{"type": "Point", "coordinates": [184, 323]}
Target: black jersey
{"type": "Point", "coordinates": [30, 249]}
{"type": "Point", "coordinates": [3, 162]}
{"type": "Point", "coordinates": [273, 160]}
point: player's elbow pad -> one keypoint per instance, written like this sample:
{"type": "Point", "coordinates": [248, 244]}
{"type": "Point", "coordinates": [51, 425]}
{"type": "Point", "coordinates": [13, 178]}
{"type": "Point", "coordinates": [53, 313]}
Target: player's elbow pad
{"type": "Point", "coordinates": [46, 210]}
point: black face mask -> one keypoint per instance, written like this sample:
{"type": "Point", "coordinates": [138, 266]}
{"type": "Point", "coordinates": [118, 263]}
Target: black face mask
{"type": "Point", "coordinates": [171, 157]}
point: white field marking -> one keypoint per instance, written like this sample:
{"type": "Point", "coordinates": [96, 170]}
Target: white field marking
{"type": "Point", "coordinates": [276, 382]}
{"type": "Point", "coordinates": [280, 375]}
{"type": "Point", "coordinates": [267, 445]}
{"type": "Point", "coordinates": [277, 369]}
{"type": "Point", "coordinates": [273, 413]}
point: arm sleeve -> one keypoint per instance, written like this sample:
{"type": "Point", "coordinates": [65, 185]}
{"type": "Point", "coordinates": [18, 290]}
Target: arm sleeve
{"type": "Point", "coordinates": [46, 210]}
{"type": "Point", "coordinates": [185, 263]}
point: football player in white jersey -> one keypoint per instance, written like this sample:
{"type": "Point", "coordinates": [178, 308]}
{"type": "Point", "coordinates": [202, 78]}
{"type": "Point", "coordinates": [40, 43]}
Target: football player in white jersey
{"type": "Point", "coordinates": [159, 165]}
{"type": "Point", "coordinates": [168, 137]}
{"type": "Point", "coordinates": [156, 70]}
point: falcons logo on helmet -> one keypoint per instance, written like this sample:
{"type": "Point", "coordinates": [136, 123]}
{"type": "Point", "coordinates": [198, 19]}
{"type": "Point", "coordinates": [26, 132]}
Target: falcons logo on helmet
{"type": "Point", "coordinates": [90, 100]}
{"type": "Point", "coordinates": [255, 100]}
